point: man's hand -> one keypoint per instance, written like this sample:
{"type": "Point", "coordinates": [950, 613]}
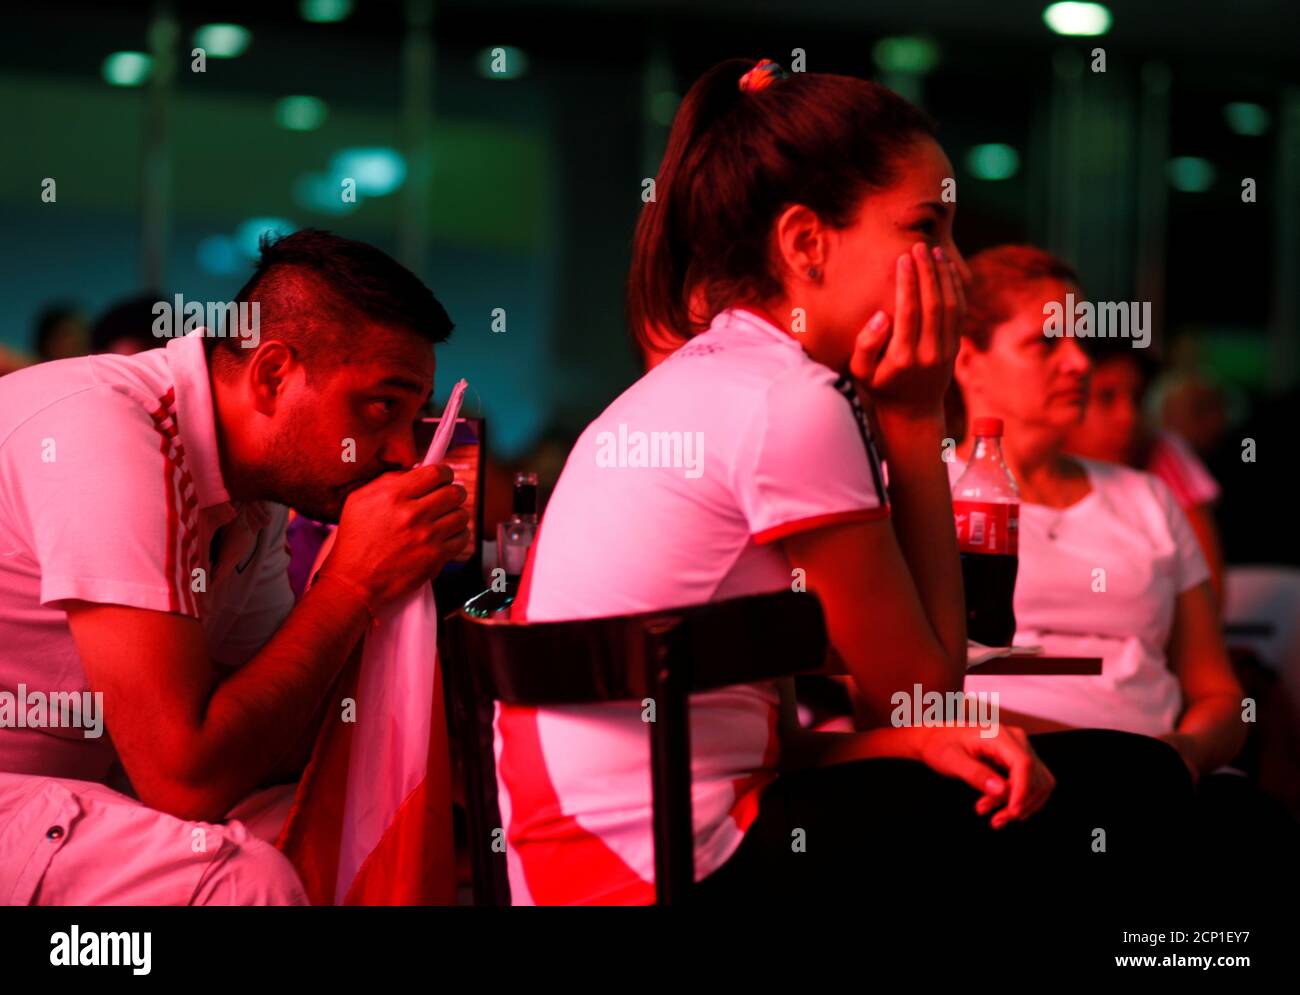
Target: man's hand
{"type": "Point", "coordinates": [398, 531]}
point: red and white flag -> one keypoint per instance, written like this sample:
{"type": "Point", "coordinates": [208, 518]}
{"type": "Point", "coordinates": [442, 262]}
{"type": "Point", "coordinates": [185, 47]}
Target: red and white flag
{"type": "Point", "coordinates": [371, 819]}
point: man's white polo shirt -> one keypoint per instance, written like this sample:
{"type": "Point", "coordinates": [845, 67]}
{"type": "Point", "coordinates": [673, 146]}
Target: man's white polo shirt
{"type": "Point", "coordinates": [111, 492]}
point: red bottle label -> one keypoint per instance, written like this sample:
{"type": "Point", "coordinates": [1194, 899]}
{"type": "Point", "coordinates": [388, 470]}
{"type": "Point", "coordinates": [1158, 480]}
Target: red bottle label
{"type": "Point", "coordinates": [986, 527]}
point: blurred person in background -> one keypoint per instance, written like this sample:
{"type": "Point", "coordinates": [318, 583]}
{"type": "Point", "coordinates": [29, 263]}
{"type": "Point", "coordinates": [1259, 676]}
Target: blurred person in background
{"type": "Point", "coordinates": [1165, 669]}
{"type": "Point", "coordinates": [11, 360]}
{"type": "Point", "coordinates": [1188, 404]}
{"type": "Point", "coordinates": [60, 333]}
{"type": "Point", "coordinates": [126, 328]}
{"type": "Point", "coordinates": [1115, 429]}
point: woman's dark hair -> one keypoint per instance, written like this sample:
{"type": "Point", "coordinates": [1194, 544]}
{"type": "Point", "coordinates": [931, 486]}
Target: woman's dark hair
{"type": "Point", "coordinates": [1103, 350]}
{"type": "Point", "coordinates": [998, 275]}
{"type": "Point", "coordinates": [735, 160]}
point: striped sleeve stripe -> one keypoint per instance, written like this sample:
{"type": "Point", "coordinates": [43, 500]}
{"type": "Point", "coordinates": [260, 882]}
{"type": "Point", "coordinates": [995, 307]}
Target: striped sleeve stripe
{"type": "Point", "coordinates": [182, 532]}
{"type": "Point", "coordinates": [820, 521]}
{"type": "Point", "coordinates": [189, 520]}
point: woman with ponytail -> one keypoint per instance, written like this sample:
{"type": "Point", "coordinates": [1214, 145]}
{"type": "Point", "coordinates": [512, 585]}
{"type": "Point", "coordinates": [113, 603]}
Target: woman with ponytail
{"type": "Point", "coordinates": [800, 246]}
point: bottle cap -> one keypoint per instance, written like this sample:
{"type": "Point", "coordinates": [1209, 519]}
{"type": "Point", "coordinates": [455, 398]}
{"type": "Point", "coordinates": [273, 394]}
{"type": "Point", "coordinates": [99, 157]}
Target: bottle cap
{"type": "Point", "coordinates": [987, 426]}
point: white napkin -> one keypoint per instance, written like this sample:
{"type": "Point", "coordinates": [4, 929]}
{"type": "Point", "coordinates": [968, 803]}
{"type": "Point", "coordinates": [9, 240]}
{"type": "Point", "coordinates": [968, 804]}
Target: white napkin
{"type": "Point", "coordinates": [447, 425]}
{"type": "Point", "coordinates": [977, 653]}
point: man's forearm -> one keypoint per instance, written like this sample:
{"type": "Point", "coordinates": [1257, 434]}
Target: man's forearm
{"type": "Point", "coordinates": [257, 717]}
{"type": "Point", "coordinates": [922, 515]}
{"type": "Point", "coordinates": [291, 766]}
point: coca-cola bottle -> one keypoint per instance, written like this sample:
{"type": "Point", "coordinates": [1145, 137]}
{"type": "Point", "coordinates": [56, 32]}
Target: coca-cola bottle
{"type": "Point", "coordinates": [986, 506]}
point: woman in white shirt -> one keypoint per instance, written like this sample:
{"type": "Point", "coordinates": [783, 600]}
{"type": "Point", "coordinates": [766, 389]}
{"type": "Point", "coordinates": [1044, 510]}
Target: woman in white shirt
{"type": "Point", "coordinates": [799, 243]}
{"type": "Point", "coordinates": [1109, 565]}
{"type": "Point", "coordinates": [1113, 430]}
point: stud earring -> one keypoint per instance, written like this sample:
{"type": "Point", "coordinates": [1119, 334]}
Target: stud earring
{"type": "Point", "coordinates": [814, 273]}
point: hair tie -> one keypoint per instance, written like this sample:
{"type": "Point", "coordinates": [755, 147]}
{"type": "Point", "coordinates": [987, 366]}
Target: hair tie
{"type": "Point", "coordinates": [762, 76]}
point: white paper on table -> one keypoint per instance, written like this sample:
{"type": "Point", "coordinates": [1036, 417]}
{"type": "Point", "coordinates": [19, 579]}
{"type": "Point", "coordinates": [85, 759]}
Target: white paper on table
{"type": "Point", "coordinates": [977, 653]}
{"type": "Point", "coordinates": [390, 744]}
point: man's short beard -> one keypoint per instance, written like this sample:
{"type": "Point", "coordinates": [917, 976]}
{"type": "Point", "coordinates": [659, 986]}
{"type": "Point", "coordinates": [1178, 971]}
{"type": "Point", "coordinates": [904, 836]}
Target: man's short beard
{"type": "Point", "coordinates": [287, 477]}
{"type": "Point", "coordinates": [289, 484]}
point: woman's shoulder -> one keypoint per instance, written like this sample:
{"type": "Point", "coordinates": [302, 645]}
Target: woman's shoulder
{"type": "Point", "coordinates": [1174, 461]}
{"type": "Point", "coordinates": [1126, 486]}
{"type": "Point", "coordinates": [1114, 476]}
{"type": "Point", "coordinates": [740, 364]}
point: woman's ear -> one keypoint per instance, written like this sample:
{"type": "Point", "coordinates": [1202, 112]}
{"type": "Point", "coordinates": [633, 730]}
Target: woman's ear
{"type": "Point", "coordinates": [802, 244]}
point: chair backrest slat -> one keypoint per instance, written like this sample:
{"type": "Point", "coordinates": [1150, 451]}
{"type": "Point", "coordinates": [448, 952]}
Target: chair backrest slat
{"type": "Point", "coordinates": [585, 661]}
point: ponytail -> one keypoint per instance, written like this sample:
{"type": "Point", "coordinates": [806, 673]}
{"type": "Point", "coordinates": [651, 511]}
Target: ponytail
{"type": "Point", "coordinates": [746, 142]}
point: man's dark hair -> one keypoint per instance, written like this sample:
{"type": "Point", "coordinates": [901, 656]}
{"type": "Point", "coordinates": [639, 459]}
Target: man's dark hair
{"type": "Point", "coordinates": [314, 289]}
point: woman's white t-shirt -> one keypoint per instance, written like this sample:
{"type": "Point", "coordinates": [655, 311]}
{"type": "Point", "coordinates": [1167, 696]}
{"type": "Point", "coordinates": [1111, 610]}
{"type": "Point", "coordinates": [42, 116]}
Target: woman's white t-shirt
{"type": "Point", "coordinates": [675, 495]}
{"type": "Point", "coordinates": [1100, 578]}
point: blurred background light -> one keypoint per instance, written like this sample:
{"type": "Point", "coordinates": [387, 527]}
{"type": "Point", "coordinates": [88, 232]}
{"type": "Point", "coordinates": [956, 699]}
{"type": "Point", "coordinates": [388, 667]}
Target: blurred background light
{"type": "Point", "coordinates": [323, 193]}
{"type": "Point", "coordinates": [1191, 174]}
{"type": "Point", "coordinates": [378, 171]}
{"type": "Point", "coordinates": [993, 161]}
{"type": "Point", "coordinates": [223, 41]}
{"type": "Point", "coordinates": [219, 255]}
{"type": "Point", "coordinates": [512, 62]}
{"type": "Point", "coordinates": [1246, 118]}
{"type": "Point", "coordinates": [127, 68]}
{"type": "Point", "coordinates": [663, 105]}
{"type": "Point", "coordinates": [1082, 19]}
{"type": "Point", "coordinates": [905, 54]}
{"type": "Point", "coordinates": [300, 113]}
{"type": "Point", "coordinates": [325, 11]}
{"type": "Point", "coordinates": [249, 234]}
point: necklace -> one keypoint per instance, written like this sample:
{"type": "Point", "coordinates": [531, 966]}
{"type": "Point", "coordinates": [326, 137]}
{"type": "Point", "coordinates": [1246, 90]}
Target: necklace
{"type": "Point", "coordinates": [1056, 523]}
{"type": "Point", "coordinates": [1057, 512]}
{"type": "Point", "coordinates": [1057, 516]}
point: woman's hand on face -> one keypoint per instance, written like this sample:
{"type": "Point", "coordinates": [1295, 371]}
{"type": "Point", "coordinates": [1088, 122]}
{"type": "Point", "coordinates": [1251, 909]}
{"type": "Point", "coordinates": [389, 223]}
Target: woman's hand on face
{"type": "Point", "coordinates": [961, 752]}
{"type": "Point", "coordinates": [906, 367]}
